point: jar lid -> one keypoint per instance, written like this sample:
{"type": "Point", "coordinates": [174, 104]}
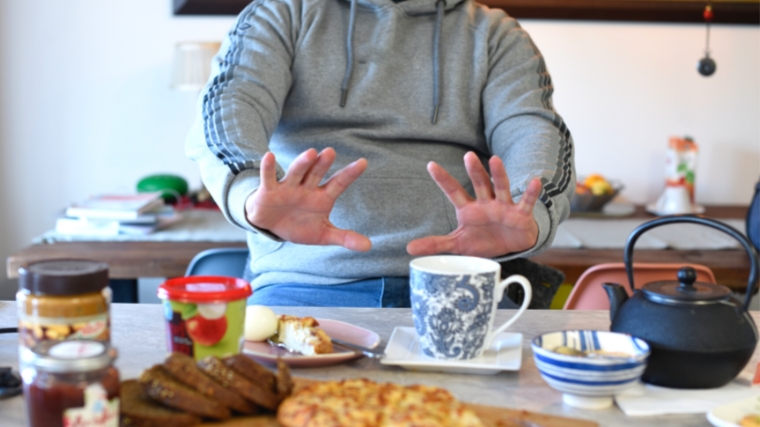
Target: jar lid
{"type": "Point", "coordinates": [686, 290]}
{"type": "Point", "coordinates": [69, 356]}
{"type": "Point", "coordinates": [204, 289]}
{"type": "Point", "coordinates": [63, 277]}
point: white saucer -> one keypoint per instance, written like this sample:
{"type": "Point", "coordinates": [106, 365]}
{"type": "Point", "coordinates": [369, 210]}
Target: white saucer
{"type": "Point", "coordinates": [695, 210]}
{"type": "Point", "coordinates": [404, 350]}
{"type": "Point", "coordinates": [730, 414]}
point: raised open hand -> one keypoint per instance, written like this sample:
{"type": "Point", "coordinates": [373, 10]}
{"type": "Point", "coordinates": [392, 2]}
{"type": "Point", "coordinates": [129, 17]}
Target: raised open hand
{"type": "Point", "coordinates": [297, 209]}
{"type": "Point", "coordinates": [490, 225]}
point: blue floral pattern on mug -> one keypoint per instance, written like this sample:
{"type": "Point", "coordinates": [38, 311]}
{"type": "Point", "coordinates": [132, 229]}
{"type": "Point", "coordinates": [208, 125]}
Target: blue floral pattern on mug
{"type": "Point", "coordinates": [452, 313]}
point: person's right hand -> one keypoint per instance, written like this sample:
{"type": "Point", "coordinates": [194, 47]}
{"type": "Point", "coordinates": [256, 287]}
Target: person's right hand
{"type": "Point", "coordinates": [297, 209]}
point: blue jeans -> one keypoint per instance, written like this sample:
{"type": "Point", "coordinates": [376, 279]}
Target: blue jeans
{"type": "Point", "coordinates": [388, 292]}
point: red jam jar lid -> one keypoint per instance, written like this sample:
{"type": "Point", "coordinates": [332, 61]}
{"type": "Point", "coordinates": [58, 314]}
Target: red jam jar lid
{"type": "Point", "coordinates": [204, 289]}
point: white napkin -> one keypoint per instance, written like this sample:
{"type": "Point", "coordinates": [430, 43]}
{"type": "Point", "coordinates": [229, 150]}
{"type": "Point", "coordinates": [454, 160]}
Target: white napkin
{"type": "Point", "coordinates": [646, 400]}
{"type": "Point", "coordinates": [565, 239]}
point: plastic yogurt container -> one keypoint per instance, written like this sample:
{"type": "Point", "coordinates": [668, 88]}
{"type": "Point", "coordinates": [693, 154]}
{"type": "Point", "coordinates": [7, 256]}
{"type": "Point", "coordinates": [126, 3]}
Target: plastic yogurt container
{"type": "Point", "coordinates": [205, 315]}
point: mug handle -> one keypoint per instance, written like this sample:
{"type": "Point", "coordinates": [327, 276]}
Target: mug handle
{"type": "Point", "coordinates": [500, 288]}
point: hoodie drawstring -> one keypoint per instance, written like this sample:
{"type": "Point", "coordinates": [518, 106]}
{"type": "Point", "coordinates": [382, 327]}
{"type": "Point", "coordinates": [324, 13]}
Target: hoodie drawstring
{"type": "Point", "coordinates": [350, 56]}
{"type": "Point", "coordinates": [439, 5]}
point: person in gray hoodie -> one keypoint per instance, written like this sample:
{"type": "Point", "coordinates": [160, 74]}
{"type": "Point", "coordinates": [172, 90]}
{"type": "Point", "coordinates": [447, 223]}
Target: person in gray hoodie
{"type": "Point", "coordinates": [349, 136]}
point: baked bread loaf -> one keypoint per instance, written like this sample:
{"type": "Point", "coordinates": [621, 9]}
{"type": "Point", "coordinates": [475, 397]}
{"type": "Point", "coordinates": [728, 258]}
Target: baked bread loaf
{"type": "Point", "coordinates": [259, 394]}
{"type": "Point", "coordinates": [183, 368]}
{"type": "Point", "coordinates": [302, 335]}
{"type": "Point", "coordinates": [361, 402]}
{"type": "Point", "coordinates": [162, 387]}
{"type": "Point", "coordinates": [138, 410]}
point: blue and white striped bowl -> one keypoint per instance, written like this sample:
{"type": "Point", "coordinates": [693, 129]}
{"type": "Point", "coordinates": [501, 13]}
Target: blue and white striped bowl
{"type": "Point", "coordinates": [599, 376]}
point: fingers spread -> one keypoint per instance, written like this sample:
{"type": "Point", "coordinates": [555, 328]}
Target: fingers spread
{"type": "Point", "coordinates": [268, 172]}
{"type": "Point", "coordinates": [338, 183]}
{"type": "Point", "coordinates": [346, 238]}
{"type": "Point", "coordinates": [500, 180]}
{"type": "Point", "coordinates": [450, 186]}
{"type": "Point", "coordinates": [481, 182]}
{"type": "Point", "coordinates": [431, 245]}
{"type": "Point", "coordinates": [318, 170]}
{"type": "Point", "coordinates": [299, 167]}
{"type": "Point", "coordinates": [530, 196]}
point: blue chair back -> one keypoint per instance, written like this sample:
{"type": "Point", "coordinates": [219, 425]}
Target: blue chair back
{"type": "Point", "coordinates": [219, 262]}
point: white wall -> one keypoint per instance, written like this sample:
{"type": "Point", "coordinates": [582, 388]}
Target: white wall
{"type": "Point", "coordinates": [623, 89]}
{"type": "Point", "coordinates": [85, 104]}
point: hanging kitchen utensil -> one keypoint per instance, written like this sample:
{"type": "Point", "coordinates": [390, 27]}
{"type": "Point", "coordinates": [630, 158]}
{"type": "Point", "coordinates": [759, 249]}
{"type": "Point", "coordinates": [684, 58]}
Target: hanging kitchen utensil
{"type": "Point", "coordinates": [707, 66]}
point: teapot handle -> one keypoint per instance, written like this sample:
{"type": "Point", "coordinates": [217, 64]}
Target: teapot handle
{"type": "Point", "coordinates": [673, 219]}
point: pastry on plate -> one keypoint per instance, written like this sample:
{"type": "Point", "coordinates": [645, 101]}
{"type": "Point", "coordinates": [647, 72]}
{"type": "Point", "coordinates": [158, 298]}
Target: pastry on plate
{"type": "Point", "coordinates": [302, 335]}
{"type": "Point", "coordinates": [361, 402]}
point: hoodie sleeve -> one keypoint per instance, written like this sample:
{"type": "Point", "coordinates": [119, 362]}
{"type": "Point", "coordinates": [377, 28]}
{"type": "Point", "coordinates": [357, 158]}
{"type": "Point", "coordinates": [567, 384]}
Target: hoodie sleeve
{"type": "Point", "coordinates": [241, 105]}
{"type": "Point", "coordinates": [523, 129]}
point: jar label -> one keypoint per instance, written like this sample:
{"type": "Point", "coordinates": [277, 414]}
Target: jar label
{"type": "Point", "coordinates": [98, 411]}
{"type": "Point", "coordinates": [33, 330]}
{"type": "Point", "coordinates": [76, 349]}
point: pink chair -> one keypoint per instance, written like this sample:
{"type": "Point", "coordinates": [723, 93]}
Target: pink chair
{"type": "Point", "coordinates": [588, 294]}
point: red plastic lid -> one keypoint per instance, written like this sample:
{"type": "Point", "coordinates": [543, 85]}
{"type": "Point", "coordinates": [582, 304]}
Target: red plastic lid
{"type": "Point", "coordinates": [204, 289]}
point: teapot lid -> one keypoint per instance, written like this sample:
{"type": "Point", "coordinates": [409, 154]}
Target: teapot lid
{"type": "Point", "coordinates": [686, 290]}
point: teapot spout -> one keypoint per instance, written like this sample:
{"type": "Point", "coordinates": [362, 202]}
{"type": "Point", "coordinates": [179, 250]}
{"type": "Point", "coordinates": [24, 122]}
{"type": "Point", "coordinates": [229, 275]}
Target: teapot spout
{"type": "Point", "coordinates": [617, 296]}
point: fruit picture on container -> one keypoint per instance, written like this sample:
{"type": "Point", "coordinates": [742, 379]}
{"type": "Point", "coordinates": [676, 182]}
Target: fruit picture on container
{"type": "Point", "coordinates": [205, 329]}
{"type": "Point", "coordinates": [208, 326]}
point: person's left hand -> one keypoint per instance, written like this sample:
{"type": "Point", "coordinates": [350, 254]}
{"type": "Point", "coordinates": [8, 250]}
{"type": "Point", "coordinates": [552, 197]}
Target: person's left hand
{"type": "Point", "coordinates": [490, 225]}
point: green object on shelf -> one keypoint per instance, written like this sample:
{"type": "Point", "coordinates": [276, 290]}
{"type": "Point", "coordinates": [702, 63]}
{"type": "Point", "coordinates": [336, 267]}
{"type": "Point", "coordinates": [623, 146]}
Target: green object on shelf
{"type": "Point", "coordinates": [172, 186]}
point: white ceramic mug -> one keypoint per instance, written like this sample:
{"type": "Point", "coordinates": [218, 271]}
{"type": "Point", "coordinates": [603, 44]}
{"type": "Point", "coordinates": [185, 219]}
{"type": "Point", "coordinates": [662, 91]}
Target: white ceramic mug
{"type": "Point", "coordinates": [675, 200]}
{"type": "Point", "coordinates": [454, 301]}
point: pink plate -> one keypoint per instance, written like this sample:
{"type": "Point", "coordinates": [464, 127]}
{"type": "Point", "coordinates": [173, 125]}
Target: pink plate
{"type": "Point", "coordinates": [263, 352]}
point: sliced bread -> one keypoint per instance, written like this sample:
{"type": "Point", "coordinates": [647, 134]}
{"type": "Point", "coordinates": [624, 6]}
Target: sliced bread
{"type": "Point", "coordinates": [250, 369]}
{"type": "Point", "coordinates": [164, 388]}
{"type": "Point", "coordinates": [183, 368]}
{"type": "Point", "coordinates": [284, 380]}
{"type": "Point", "coordinates": [138, 410]}
{"type": "Point", "coordinates": [259, 394]}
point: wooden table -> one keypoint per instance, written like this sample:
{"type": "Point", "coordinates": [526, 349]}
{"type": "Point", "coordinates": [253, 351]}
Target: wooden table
{"type": "Point", "coordinates": [130, 260]}
{"type": "Point", "coordinates": [138, 334]}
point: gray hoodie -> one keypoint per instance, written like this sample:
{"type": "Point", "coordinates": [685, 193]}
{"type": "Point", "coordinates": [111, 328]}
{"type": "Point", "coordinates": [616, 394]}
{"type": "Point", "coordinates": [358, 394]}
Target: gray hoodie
{"type": "Point", "coordinates": [419, 80]}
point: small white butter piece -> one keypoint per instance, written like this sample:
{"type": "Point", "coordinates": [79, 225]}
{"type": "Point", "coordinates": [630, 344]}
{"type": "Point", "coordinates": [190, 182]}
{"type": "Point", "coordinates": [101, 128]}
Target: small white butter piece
{"type": "Point", "coordinates": [260, 323]}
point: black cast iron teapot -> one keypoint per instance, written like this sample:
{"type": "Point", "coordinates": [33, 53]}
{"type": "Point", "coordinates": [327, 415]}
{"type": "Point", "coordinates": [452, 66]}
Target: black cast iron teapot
{"type": "Point", "coordinates": [699, 334]}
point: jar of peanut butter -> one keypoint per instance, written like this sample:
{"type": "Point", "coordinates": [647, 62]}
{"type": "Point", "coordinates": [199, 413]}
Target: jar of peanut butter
{"type": "Point", "coordinates": [63, 299]}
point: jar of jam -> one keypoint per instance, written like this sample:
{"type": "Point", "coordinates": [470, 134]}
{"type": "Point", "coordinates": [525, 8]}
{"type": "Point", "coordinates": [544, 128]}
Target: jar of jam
{"type": "Point", "coordinates": [70, 383]}
{"type": "Point", "coordinates": [63, 299]}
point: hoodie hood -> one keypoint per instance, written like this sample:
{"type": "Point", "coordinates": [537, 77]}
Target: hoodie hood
{"type": "Point", "coordinates": [411, 8]}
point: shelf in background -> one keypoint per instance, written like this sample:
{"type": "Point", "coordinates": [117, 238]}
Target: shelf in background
{"type": "Point", "coordinates": [726, 11]}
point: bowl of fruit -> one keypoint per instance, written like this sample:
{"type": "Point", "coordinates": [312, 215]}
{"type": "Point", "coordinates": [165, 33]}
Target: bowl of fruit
{"type": "Point", "coordinates": [593, 192]}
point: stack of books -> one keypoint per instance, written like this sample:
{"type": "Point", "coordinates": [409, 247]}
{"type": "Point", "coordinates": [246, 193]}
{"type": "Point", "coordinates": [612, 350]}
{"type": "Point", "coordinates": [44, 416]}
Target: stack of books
{"type": "Point", "coordinates": [114, 214]}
